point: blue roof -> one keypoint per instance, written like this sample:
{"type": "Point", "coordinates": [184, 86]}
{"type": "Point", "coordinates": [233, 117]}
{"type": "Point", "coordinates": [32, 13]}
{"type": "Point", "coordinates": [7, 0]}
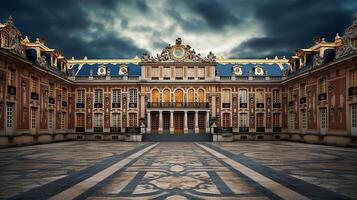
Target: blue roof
{"type": "Point", "coordinates": [247, 69]}
{"type": "Point", "coordinates": [133, 69]}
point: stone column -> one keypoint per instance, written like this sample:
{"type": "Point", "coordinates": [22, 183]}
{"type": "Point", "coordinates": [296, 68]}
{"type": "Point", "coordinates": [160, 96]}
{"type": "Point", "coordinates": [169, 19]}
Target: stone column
{"type": "Point", "coordinates": [172, 129]}
{"type": "Point", "coordinates": [185, 127]}
{"type": "Point", "coordinates": [196, 122]}
{"type": "Point", "coordinates": [148, 127]}
{"type": "Point", "coordinates": [207, 122]}
{"type": "Point", "coordinates": [160, 122]}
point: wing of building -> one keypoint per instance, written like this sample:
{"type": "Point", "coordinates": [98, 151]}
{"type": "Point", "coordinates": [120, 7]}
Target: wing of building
{"type": "Point", "coordinates": [178, 93]}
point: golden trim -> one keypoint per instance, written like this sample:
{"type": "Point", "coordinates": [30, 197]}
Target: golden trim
{"type": "Point", "coordinates": [134, 60]}
{"type": "Point", "coordinates": [253, 61]}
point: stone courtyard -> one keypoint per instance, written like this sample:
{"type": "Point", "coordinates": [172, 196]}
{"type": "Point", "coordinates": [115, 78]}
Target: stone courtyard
{"type": "Point", "coordinates": [178, 170]}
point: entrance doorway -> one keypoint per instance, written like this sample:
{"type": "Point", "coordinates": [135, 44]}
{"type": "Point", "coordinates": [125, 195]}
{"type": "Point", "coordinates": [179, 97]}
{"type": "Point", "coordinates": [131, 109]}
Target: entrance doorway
{"type": "Point", "coordinates": [191, 122]}
{"type": "Point", "coordinates": [201, 122]}
{"type": "Point", "coordinates": [154, 122]}
{"type": "Point", "coordinates": [178, 122]}
{"type": "Point", "coordinates": [166, 122]}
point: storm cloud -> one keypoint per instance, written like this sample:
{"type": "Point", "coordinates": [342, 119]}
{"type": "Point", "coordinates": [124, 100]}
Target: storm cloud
{"type": "Point", "coordinates": [232, 28]}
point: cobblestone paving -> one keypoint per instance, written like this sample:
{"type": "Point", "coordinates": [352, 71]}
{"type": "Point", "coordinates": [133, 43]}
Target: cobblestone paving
{"type": "Point", "coordinates": [178, 170]}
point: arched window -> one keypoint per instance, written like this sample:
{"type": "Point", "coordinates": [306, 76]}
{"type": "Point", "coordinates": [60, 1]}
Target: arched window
{"type": "Point", "coordinates": [201, 95]}
{"type": "Point", "coordinates": [166, 96]}
{"type": "Point", "coordinates": [155, 95]}
{"type": "Point", "coordinates": [191, 96]}
{"type": "Point", "coordinates": [179, 96]}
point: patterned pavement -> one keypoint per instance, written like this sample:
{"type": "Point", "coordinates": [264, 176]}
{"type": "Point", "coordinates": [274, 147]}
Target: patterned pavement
{"type": "Point", "coordinates": [178, 170]}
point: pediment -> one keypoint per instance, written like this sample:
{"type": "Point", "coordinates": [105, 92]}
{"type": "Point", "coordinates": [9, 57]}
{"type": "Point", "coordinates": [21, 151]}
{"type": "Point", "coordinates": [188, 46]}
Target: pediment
{"type": "Point", "coordinates": [178, 53]}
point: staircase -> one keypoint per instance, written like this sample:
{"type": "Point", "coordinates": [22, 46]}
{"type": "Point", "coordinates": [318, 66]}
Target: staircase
{"type": "Point", "coordinates": [190, 137]}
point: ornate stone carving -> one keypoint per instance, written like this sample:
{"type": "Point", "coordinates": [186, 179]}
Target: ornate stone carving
{"type": "Point", "coordinates": [347, 47]}
{"type": "Point", "coordinates": [15, 38]}
{"type": "Point", "coordinates": [237, 70]}
{"type": "Point", "coordinates": [178, 53]}
{"type": "Point", "coordinates": [42, 61]}
{"type": "Point", "coordinates": [317, 60]}
{"type": "Point", "coordinates": [123, 70]}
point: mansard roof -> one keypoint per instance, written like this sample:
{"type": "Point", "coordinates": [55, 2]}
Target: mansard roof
{"type": "Point", "coordinates": [87, 67]}
{"type": "Point", "coordinates": [270, 69]}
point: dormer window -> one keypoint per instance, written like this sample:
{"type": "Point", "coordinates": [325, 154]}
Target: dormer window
{"type": "Point", "coordinates": [237, 70]}
{"type": "Point", "coordinates": [259, 70]}
{"type": "Point", "coordinates": [102, 70]}
{"type": "Point", "coordinates": [123, 70]}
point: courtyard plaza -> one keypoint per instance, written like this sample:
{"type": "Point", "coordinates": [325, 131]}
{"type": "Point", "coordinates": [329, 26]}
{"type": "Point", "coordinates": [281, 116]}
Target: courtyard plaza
{"type": "Point", "coordinates": [178, 170]}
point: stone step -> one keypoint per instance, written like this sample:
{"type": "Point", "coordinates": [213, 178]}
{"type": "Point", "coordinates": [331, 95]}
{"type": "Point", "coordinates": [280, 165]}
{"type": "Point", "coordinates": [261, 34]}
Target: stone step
{"type": "Point", "coordinates": [190, 137]}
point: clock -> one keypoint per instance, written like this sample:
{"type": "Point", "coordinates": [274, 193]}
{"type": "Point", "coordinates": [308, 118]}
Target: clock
{"type": "Point", "coordinates": [178, 52]}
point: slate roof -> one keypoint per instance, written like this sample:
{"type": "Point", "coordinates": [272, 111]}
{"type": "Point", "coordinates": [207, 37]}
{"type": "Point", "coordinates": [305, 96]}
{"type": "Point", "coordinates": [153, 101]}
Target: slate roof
{"type": "Point", "coordinates": [273, 69]}
{"type": "Point", "coordinates": [84, 69]}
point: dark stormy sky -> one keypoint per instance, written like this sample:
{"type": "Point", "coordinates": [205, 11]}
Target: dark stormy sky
{"type": "Point", "coordinates": [231, 28]}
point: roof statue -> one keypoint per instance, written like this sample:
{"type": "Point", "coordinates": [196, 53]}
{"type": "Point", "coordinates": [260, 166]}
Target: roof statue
{"type": "Point", "coordinates": [15, 38]}
{"type": "Point", "coordinates": [347, 46]}
{"type": "Point", "coordinates": [178, 53]}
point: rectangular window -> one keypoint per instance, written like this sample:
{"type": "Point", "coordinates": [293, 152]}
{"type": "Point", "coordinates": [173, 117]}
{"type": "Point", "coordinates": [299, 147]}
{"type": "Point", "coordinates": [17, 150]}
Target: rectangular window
{"type": "Point", "coordinates": [155, 72]}
{"type": "Point", "coordinates": [116, 95]}
{"type": "Point", "coordinates": [63, 121]}
{"type": "Point", "coordinates": [291, 94]}
{"type": "Point", "coordinates": [34, 84]}
{"type": "Point", "coordinates": [243, 96]}
{"type": "Point", "coordinates": [260, 96]}
{"type": "Point", "coordinates": [260, 119]}
{"type": "Point", "coordinates": [167, 73]}
{"type": "Point", "coordinates": [80, 96]}
{"type": "Point", "coordinates": [190, 73]}
{"type": "Point", "coordinates": [226, 121]}
{"type": "Point", "coordinates": [133, 120]}
{"type": "Point", "coordinates": [292, 121]}
{"type": "Point", "coordinates": [243, 120]}
{"type": "Point", "coordinates": [276, 120]}
{"type": "Point", "coordinates": [98, 120]}
{"type": "Point", "coordinates": [12, 77]}
{"type": "Point", "coordinates": [354, 78]}
{"type": "Point", "coordinates": [303, 90]}
{"type": "Point", "coordinates": [303, 119]}
{"type": "Point", "coordinates": [64, 94]}
{"type": "Point", "coordinates": [323, 118]}
{"type": "Point", "coordinates": [116, 121]}
{"type": "Point", "coordinates": [50, 119]}
{"type": "Point", "coordinates": [226, 96]}
{"type": "Point", "coordinates": [80, 120]}
{"type": "Point", "coordinates": [98, 96]}
{"type": "Point", "coordinates": [33, 117]}
{"type": "Point", "coordinates": [322, 86]}
{"type": "Point", "coordinates": [179, 73]}
{"type": "Point", "coordinates": [51, 90]}
{"type": "Point", "coordinates": [133, 96]}
{"type": "Point", "coordinates": [354, 117]}
{"type": "Point", "coordinates": [10, 115]}
{"type": "Point", "coordinates": [276, 96]}
{"type": "Point", "coordinates": [201, 73]}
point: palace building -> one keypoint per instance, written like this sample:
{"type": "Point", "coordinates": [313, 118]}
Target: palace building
{"type": "Point", "coordinates": [310, 97]}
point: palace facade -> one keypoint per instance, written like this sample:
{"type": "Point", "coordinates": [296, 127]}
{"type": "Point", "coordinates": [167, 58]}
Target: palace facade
{"type": "Point", "coordinates": [46, 97]}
